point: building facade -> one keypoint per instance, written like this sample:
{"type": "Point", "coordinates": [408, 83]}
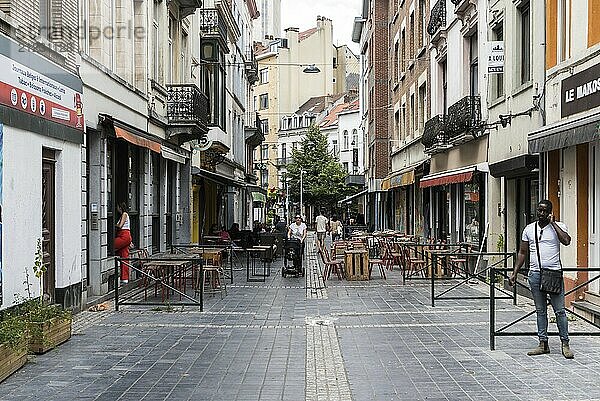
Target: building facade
{"type": "Point", "coordinates": [568, 143]}
{"type": "Point", "coordinates": [268, 25]}
{"type": "Point", "coordinates": [41, 133]}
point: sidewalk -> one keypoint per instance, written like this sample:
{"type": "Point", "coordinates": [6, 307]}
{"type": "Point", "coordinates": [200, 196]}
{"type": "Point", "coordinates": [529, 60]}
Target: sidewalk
{"type": "Point", "coordinates": [296, 339]}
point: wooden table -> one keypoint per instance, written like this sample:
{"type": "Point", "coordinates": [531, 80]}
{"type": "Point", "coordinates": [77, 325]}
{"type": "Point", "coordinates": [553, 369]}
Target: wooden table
{"type": "Point", "coordinates": [356, 264]}
{"type": "Point", "coordinates": [441, 257]}
{"type": "Point", "coordinates": [170, 273]}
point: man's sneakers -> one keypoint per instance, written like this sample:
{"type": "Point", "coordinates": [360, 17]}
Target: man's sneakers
{"type": "Point", "coordinates": [566, 350]}
{"type": "Point", "coordinates": [541, 349]}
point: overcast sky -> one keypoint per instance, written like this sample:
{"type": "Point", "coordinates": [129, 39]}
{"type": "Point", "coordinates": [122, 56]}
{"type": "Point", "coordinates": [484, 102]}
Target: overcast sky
{"type": "Point", "coordinates": [303, 14]}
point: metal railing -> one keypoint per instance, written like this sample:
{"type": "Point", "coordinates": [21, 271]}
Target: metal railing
{"type": "Point", "coordinates": [434, 134]}
{"type": "Point", "coordinates": [503, 332]}
{"type": "Point", "coordinates": [212, 23]}
{"type": "Point", "coordinates": [165, 281]}
{"type": "Point", "coordinates": [437, 18]}
{"type": "Point", "coordinates": [186, 104]}
{"type": "Point", "coordinates": [464, 116]}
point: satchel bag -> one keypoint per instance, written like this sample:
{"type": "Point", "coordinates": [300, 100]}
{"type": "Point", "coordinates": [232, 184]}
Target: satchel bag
{"type": "Point", "coordinates": [551, 281]}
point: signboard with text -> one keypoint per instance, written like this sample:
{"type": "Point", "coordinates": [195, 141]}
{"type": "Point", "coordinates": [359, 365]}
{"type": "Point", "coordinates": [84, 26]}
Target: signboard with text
{"type": "Point", "coordinates": [496, 57]}
{"type": "Point", "coordinates": [580, 92]}
{"type": "Point", "coordinates": [32, 92]}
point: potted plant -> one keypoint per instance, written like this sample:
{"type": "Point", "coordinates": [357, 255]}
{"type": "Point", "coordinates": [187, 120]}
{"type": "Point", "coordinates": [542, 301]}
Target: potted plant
{"type": "Point", "coordinates": [13, 345]}
{"type": "Point", "coordinates": [48, 325]}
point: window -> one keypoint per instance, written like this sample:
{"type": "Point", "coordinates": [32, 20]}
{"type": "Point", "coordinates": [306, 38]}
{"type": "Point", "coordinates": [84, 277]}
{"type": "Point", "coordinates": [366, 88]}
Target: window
{"type": "Point", "coordinates": [264, 152]}
{"type": "Point", "coordinates": [444, 81]}
{"type": "Point", "coordinates": [354, 138]}
{"type": "Point", "coordinates": [413, 118]}
{"type": "Point", "coordinates": [170, 64]}
{"type": "Point", "coordinates": [412, 36]}
{"type": "Point", "coordinates": [294, 145]}
{"type": "Point", "coordinates": [403, 122]}
{"type": "Point", "coordinates": [264, 178]}
{"type": "Point", "coordinates": [346, 167]}
{"type": "Point", "coordinates": [403, 61]}
{"type": "Point", "coordinates": [473, 65]}
{"type": "Point", "coordinates": [564, 8]}
{"type": "Point", "coordinates": [264, 101]}
{"type": "Point", "coordinates": [345, 136]}
{"type": "Point", "coordinates": [183, 66]}
{"type": "Point", "coordinates": [396, 131]}
{"type": "Point", "coordinates": [46, 18]}
{"type": "Point", "coordinates": [284, 151]}
{"type": "Point", "coordinates": [422, 23]}
{"type": "Point", "coordinates": [264, 126]}
{"type": "Point", "coordinates": [525, 42]}
{"type": "Point", "coordinates": [264, 75]}
{"type": "Point", "coordinates": [422, 106]}
{"type": "Point", "coordinates": [396, 61]}
{"type": "Point", "coordinates": [336, 148]}
{"type": "Point", "coordinates": [498, 79]}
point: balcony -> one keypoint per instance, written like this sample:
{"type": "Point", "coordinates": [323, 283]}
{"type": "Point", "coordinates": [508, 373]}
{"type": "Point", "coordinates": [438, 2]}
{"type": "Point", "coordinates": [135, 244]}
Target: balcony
{"type": "Point", "coordinates": [253, 130]}
{"type": "Point", "coordinates": [213, 26]}
{"type": "Point", "coordinates": [251, 66]}
{"type": "Point", "coordinates": [463, 122]}
{"type": "Point", "coordinates": [188, 7]}
{"type": "Point", "coordinates": [435, 137]}
{"type": "Point", "coordinates": [461, 5]}
{"type": "Point", "coordinates": [187, 113]}
{"type": "Point", "coordinates": [437, 21]}
{"type": "Point", "coordinates": [283, 161]}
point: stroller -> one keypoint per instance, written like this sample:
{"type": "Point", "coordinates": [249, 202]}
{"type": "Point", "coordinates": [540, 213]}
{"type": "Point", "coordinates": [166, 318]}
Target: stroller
{"type": "Point", "coordinates": [292, 258]}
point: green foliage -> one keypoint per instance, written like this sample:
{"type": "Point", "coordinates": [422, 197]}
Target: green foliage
{"type": "Point", "coordinates": [13, 331]}
{"type": "Point", "coordinates": [500, 243]}
{"type": "Point", "coordinates": [38, 265]}
{"type": "Point", "coordinates": [323, 179]}
{"type": "Point", "coordinates": [38, 312]}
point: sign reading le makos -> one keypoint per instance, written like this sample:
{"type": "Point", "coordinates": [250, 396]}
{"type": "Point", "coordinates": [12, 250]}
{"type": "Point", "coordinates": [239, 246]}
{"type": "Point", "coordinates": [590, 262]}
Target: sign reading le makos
{"type": "Point", "coordinates": [581, 91]}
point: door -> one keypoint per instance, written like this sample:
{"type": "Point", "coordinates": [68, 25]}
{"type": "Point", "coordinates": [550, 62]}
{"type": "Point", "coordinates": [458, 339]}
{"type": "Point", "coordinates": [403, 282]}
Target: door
{"type": "Point", "coordinates": [48, 223]}
{"type": "Point", "coordinates": [594, 214]}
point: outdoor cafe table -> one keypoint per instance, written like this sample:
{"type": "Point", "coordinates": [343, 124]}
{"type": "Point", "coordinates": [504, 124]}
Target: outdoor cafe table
{"type": "Point", "coordinates": [442, 260]}
{"type": "Point", "coordinates": [211, 251]}
{"type": "Point", "coordinates": [252, 255]}
{"type": "Point", "coordinates": [170, 272]}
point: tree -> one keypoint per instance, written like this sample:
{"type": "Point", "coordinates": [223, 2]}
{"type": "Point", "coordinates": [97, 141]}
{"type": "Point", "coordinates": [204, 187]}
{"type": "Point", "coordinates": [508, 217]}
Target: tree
{"type": "Point", "coordinates": [324, 178]}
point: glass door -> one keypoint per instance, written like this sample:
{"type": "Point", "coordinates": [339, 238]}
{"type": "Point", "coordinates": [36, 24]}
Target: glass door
{"type": "Point", "coordinates": [594, 213]}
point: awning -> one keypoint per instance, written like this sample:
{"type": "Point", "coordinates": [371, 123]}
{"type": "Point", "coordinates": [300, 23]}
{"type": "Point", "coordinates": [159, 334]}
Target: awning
{"type": "Point", "coordinates": [448, 177]}
{"type": "Point", "coordinates": [565, 134]}
{"type": "Point", "coordinates": [351, 197]}
{"type": "Point", "coordinates": [515, 167]}
{"type": "Point", "coordinates": [217, 177]}
{"type": "Point", "coordinates": [170, 154]}
{"type": "Point", "coordinates": [137, 140]}
{"type": "Point", "coordinates": [259, 197]}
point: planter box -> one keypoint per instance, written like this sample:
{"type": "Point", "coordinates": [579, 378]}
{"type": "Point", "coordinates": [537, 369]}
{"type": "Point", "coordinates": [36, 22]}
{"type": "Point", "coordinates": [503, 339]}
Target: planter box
{"type": "Point", "coordinates": [47, 335]}
{"type": "Point", "coordinates": [12, 359]}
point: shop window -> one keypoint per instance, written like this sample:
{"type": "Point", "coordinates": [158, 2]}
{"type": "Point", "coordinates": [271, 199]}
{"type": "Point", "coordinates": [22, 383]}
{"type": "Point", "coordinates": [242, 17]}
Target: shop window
{"type": "Point", "coordinates": [156, 229]}
{"type": "Point", "coordinates": [525, 42]}
{"type": "Point", "coordinates": [473, 204]}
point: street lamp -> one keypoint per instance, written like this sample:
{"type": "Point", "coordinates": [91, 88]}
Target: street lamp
{"type": "Point", "coordinates": [301, 189]}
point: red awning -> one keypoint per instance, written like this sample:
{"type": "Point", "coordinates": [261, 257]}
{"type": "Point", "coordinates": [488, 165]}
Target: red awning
{"type": "Point", "coordinates": [436, 180]}
{"type": "Point", "coordinates": [137, 140]}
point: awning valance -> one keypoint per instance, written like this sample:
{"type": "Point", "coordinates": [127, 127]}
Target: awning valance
{"type": "Point", "coordinates": [172, 155]}
{"type": "Point", "coordinates": [259, 197]}
{"type": "Point", "coordinates": [518, 166]}
{"type": "Point", "coordinates": [351, 197]}
{"type": "Point", "coordinates": [448, 177]}
{"type": "Point", "coordinates": [137, 140]}
{"type": "Point", "coordinates": [565, 134]}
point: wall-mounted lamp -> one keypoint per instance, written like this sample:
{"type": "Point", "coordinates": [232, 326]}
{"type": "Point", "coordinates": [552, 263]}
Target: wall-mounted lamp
{"type": "Point", "coordinates": [311, 69]}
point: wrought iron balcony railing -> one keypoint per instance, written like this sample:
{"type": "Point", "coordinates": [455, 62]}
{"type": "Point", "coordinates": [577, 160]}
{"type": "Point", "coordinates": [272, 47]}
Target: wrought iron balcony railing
{"type": "Point", "coordinates": [212, 24]}
{"type": "Point", "coordinates": [435, 137]}
{"type": "Point", "coordinates": [437, 19]}
{"type": "Point", "coordinates": [283, 161]}
{"type": "Point", "coordinates": [251, 65]}
{"type": "Point", "coordinates": [187, 107]}
{"type": "Point", "coordinates": [464, 117]}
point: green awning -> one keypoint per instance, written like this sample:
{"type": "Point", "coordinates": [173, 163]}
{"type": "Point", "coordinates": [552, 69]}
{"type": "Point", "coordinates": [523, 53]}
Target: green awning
{"type": "Point", "coordinates": [258, 197]}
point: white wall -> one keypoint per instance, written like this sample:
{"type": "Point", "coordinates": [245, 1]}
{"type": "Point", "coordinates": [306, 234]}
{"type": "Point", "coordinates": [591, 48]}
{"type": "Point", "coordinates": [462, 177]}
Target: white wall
{"type": "Point", "coordinates": [22, 214]}
{"type": "Point", "coordinates": [350, 121]}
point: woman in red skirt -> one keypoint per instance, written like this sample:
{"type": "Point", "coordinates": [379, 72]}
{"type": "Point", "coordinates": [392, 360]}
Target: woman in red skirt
{"type": "Point", "coordinates": [123, 240]}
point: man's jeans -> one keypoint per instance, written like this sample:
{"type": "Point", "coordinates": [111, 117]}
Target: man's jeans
{"type": "Point", "coordinates": [541, 308]}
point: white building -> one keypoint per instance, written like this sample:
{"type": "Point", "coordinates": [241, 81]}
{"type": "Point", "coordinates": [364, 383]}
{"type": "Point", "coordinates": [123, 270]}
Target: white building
{"type": "Point", "coordinates": [268, 25]}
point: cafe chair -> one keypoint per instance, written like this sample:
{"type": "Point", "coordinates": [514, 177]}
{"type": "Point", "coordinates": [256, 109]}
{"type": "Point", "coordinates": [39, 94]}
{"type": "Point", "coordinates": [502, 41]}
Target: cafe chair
{"type": "Point", "coordinates": [214, 274]}
{"type": "Point", "coordinates": [330, 264]}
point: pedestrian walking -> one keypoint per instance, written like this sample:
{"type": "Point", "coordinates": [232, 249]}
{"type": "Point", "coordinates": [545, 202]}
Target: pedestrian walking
{"type": "Point", "coordinates": [335, 228]}
{"type": "Point", "coordinates": [123, 240]}
{"type": "Point", "coordinates": [322, 228]}
{"type": "Point", "coordinates": [298, 230]}
{"type": "Point", "coordinates": [541, 241]}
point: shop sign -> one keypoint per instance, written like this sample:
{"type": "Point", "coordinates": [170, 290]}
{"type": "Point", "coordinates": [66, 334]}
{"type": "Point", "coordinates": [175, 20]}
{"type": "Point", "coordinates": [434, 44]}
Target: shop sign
{"type": "Point", "coordinates": [496, 57]}
{"type": "Point", "coordinates": [32, 92]}
{"type": "Point", "coordinates": [580, 92]}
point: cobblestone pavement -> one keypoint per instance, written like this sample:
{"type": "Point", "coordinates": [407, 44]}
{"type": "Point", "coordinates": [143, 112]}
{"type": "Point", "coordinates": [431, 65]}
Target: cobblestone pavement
{"type": "Point", "coordinates": [293, 339]}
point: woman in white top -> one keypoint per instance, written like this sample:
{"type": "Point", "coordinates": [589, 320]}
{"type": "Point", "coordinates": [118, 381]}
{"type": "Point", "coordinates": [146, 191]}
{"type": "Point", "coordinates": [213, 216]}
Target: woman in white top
{"type": "Point", "coordinates": [123, 240]}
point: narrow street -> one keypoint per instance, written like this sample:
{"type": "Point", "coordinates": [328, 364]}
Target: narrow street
{"type": "Point", "coordinates": [293, 339]}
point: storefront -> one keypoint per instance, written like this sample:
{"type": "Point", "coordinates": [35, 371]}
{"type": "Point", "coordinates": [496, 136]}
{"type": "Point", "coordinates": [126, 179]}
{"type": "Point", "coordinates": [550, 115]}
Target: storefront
{"type": "Point", "coordinates": [41, 133]}
{"type": "Point", "coordinates": [458, 205]}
